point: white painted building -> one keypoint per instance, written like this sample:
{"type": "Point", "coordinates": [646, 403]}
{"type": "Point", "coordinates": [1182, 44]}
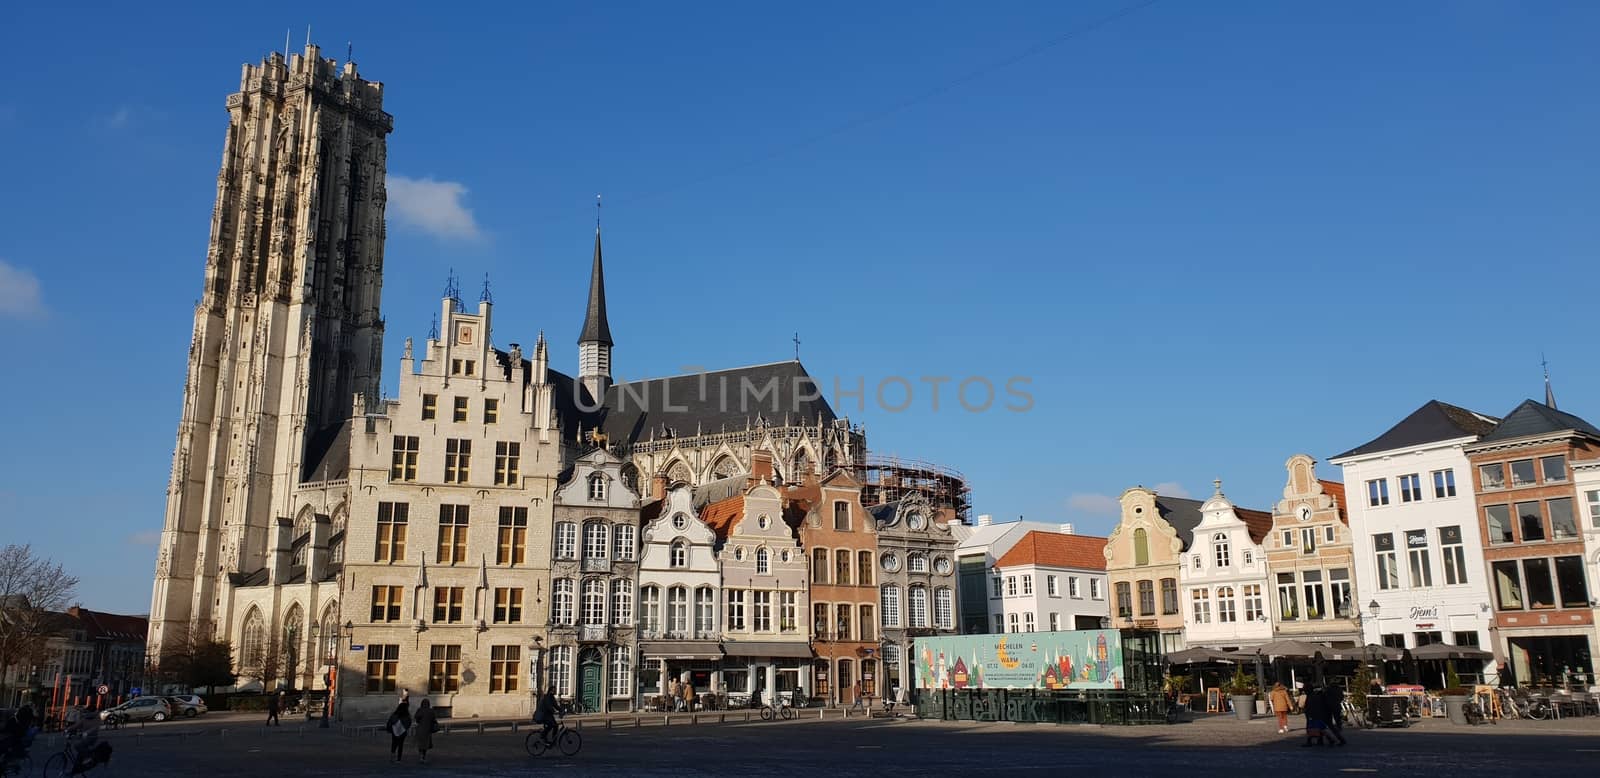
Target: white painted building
{"type": "Point", "coordinates": [1418, 548]}
{"type": "Point", "coordinates": [679, 587]}
{"type": "Point", "coordinates": [1586, 478]}
{"type": "Point", "coordinates": [1049, 581]}
{"type": "Point", "coordinates": [978, 547]}
{"type": "Point", "coordinates": [1226, 588]}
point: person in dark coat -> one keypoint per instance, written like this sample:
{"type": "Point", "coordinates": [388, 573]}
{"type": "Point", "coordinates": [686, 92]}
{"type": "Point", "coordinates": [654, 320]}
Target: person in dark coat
{"type": "Point", "coordinates": [426, 723]}
{"type": "Point", "coordinates": [272, 710]}
{"type": "Point", "coordinates": [1334, 699]}
{"type": "Point", "coordinates": [399, 724]}
{"type": "Point", "coordinates": [1316, 710]}
{"type": "Point", "coordinates": [547, 713]}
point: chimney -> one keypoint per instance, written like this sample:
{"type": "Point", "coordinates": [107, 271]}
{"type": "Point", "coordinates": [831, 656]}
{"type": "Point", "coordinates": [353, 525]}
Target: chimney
{"type": "Point", "coordinates": [658, 487]}
{"type": "Point", "coordinates": [985, 519]}
{"type": "Point", "coordinates": [761, 466]}
{"type": "Point", "coordinates": [1066, 529]}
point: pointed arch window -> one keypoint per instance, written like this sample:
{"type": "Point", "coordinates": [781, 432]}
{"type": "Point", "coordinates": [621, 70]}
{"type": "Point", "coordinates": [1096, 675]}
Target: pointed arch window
{"type": "Point", "coordinates": [253, 640]}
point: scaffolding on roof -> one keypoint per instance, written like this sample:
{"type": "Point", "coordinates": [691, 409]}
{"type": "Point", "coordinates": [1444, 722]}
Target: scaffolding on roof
{"type": "Point", "coordinates": [886, 479]}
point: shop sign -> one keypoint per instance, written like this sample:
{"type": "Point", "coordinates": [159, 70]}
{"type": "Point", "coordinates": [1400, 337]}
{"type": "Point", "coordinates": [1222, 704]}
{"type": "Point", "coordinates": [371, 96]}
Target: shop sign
{"type": "Point", "coordinates": [1078, 659]}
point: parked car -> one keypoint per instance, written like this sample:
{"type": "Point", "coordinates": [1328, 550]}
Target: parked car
{"type": "Point", "coordinates": [186, 705]}
{"type": "Point", "coordinates": [138, 709]}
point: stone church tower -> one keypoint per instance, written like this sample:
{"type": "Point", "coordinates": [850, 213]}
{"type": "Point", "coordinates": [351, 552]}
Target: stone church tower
{"type": "Point", "coordinates": [287, 336]}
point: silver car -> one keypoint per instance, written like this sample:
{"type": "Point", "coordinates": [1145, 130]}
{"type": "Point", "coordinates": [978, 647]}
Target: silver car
{"type": "Point", "coordinates": [186, 705]}
{"type": "Point", "coordinates": [138, 709]}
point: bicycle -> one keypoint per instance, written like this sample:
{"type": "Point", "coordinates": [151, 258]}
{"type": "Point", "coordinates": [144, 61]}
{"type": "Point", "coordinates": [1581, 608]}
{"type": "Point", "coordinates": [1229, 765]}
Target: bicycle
{"type": "Point", "coordinates": [784, 710]}
{"type": "Point", "coordinates": [73, 760]}
{"type": "Point", "coordinates": [1537, 709]}
{"type": "Point", "coordinates": [564, 739]}
{"type": "Point", "coordinates": [1472, 712]}
{"type": "Point", "coordinates": [1354, 715]}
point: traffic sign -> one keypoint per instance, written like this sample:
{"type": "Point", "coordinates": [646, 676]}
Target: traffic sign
{"type": "Point", "coordinates": [136, 691]}
{"type": "Point", "coordinates": [104, 689]}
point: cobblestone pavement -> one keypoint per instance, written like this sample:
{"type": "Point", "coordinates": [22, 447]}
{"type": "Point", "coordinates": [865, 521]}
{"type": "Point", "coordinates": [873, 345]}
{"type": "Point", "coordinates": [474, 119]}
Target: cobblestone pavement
{"type": "Point", "coordinates": [1216, 746]}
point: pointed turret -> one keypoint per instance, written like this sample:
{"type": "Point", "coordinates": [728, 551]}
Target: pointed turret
{"type": "Point", "coordinates": [594, 342]}
{"type": "Point", "coordinates": [1549, 394]}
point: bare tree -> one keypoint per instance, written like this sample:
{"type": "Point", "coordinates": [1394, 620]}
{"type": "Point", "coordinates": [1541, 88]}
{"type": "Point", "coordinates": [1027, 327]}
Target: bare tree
{"type": "Point", "coordinates": [32, 590]}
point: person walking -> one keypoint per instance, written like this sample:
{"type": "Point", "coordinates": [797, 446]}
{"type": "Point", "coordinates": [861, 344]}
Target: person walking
{"type": "Point", "coordinates": [1315, 706]}
{"type": "Point", "coordinates": [1333, 698]}
{"type": "Point", "coordinates": [688, 695]}
{"type": "Point", "coordinates": [675, 694]}
{"type": "Point", "coordinates": [426, 724]}
{"type": "Point", "coordinates": [1280, 706]}
{"type": "Point", "coordinates": [399, 724]}
{"type": "Point", "coordinates": [273, 704]}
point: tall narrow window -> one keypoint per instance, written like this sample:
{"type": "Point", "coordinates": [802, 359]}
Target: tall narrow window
{"type": "Point", "coordinates": [650, 610]}
{"type": "Point", "coordinates": [562, 607]}
{"type": "Point", "coordinates": [596, 540]}
{"type": "Point", "coordinates": [1592, 496]}
{"type": "Point", "coordinates": [1530, 521]}
{"type": "Point", "coordinates": [1536, 577]}
{"type": "Point", "coordinates": [625, 545]}
{"type": "Point", "coordinates": [1141, 547]}
{"type": "Point", "coordinates": [622, 602]}
{"type": "Point", "coordinates": [841, 568]}
{"type": "Point", "coordinates": [621, 679]}
{"type": "Point", "coordinates": [819, 565]}
{"type": "Point", "coordinates": [789, 611]}
{"type": "Point", "coordinates": [819, 620]}
{"type": "Point", "coordinates": [391, 531]}
{"type": "Point", "coordinates": [1027, 621]}
{"type": "Point", "coordinates": [1124, 600]}
{"type": "Point", "coordinates": [1508, 585]}
{"type": "Point", "coordinates": [1202, 605]}
{"type": "Point", "coordinates": [889, 606]}
{"type": "Point", "coordinates": [678, 610]}
{"type": "Point", "coordinates": [444, 669]}
{"type": "Point", "coordinates": [1027, 584]}
{"type": "Point", "coordinates": [1308, 540]}
{"type": "Point", "coordinates": [1316, 601]}
{"type": "Point", "coordinates": [1563, 524]}
{"type": "Point", "coordinates": [430, 407]}
{"type": "Point", "coordinates": [561, 668]}
{"type": "Point", "coordinates": [566, 545]}
{"type": "Point", "coordinates": [447, 604]}
{"type": "Point", "coordinates": [944, 608]}
{"type": "Point", "coordinates": [594, 601]}
{"type": "Point", "coordinates": [597, 488]}
{"type": "Point", "coordinates": [919, 607]}
{"type": "Point", "coordinates": [1410, 488]}
{"type": "Point", "coordinates": [1455, 555]}
{"type": "Point", "coordinates": [1169, 596]}
{"type": "Point", "coordinates": [734, 602]}
{"type": "Point", "coordinates": [452, 534]}
{"type": "Point", "coordinates": [866, 626]}
{"type": "Point", "coordinates": [1254, 608]}
{"type": "Point", "coordinates": [1147, 598]}
{"type": "Point", "coordinates": [1570, 585]}
{"type": "Point", "coordinates": [761, 610]}
{"type": "Point", "coordinates": [404, 464]}
{"type": "Point", "coordinates": [460, 409]}
{"type": "Point", "coordinates": [1378, 492]}
{"type": "Point", "coordinates": [1288, 599]}
{"type": "Point", "coordinates": [1220, 550]}
{"type": "Point", "coordinates": [1554, 469]}
{"type": "Point", "coordinates": [763, 562]}
{"type": "Point", "coordinates": [841, 516]}
{"type": "Point", "coordinates": [457, 460]}
{"type": "Point", "coordinates": [491, 411]}
{"type": "Point", "coordinates": [512, 543]}
{"type": "Point", "coordinates": [1417, 550]}
{"type": "Point", "coordinates": [1339, 589]}
{"type": "Point", "coordinates": [863, 568]}
{"type": "Point", "coordinates": [505, 669]}
{"type": "Point", "coordinates": [507, 462]}
{"type": "Point", "coordinates": [678, 554]}
{"type": "Point", "coordinates": [1225, 605]}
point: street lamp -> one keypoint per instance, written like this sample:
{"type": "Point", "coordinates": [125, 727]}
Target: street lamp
{"type": "Point", "coordinates": [1105, 622]}
{"type": "Point", "coordinates": [1372, 607]}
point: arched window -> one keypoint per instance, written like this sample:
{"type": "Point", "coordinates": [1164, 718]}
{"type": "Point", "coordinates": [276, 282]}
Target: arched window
{"type": "Point", "coordinates": [724, 468]}
{"type": "Point", "coordinates": [1219, 549]}
{"type": "Point", "coordinates": [621, 671]}
{"type": "Point", "coordinates": [594, 601]}
{"type": "Point", "coordinates": [678, 610]}
{"type": "Point", "coordinates": [889, 606]}
{"type": "Point", "coordinates": [621, 601]}
{"type": "Point", "coordinates": [253, 641]}
{"type": "Point", "coordinates": [679, 472]}
{"type": "Point", "coordinates": [919, 607]}
{"type": "Point", "coordinates": [916, 562]}
{"type": "Point", "coordinates": [1141, 547]}
{"type": "Point", "coordinates": [763, 561]}
{"type": "Point", "coordinates": [561, 606]}
{"type": "Point", "coordinates": [680, 554]}
{"type": "Point", "coordinates": [630, 477]}
{"type": "Point", "coordinates": [597, 488]}
{"type": "Point", "coordinates": [650, 609]}
{"type": "Point", "coordinates": [294, 636]}
{"type": "Point", "coordinates": [328, 631]}
{"type": "Point", "coordinates": [596, 540]}
{"type": "Point", "coordinates": [624, 543]}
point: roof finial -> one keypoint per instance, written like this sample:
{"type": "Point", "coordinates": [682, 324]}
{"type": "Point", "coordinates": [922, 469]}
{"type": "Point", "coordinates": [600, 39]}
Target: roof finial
{"type": "Point", "coordinates": [1217, 482]}
{"type": "Point", "coordinates": [433, 331]}
{"type": "Point", "coordinates": [1549, 394]}
{"type": "Point", "coordinates": [597, 213]}
{"type": "Point", "coordinates": [486, 297]}
{"type": "Point", "coordinates": [797, 347]}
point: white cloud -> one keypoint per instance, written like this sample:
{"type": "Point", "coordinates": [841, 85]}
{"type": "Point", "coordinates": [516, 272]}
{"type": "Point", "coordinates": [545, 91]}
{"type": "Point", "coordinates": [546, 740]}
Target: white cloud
{"type": "Point", "coordinates": [146, 538]}
{"type": "Point", "coordinates": [1094, 504]}
{"type": "Point", "coordinates": [432, 206]}
{"type": "Point", "coordinates": [1171, 489]}
{"type": "Point", "coordinates": [19, 292]}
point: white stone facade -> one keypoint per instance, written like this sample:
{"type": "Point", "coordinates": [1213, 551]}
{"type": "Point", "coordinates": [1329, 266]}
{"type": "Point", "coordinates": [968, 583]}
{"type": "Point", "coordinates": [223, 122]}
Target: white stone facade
{"type": "Point", "coordinates": [678, 563]}
{"type": "Point", "coordinates": [1226, 591]}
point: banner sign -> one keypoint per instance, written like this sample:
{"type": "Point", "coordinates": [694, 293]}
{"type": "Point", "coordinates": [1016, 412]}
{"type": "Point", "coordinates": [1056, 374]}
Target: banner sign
{"type": "Point", "coordinates": [1078, 659]}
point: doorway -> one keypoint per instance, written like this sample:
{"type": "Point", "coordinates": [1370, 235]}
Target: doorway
{"type": "Point", "coordinates": [591, 681]}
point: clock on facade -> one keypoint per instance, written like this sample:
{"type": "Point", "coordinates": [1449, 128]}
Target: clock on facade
{"type": "Point", "coordinates": [1305, 513]}
{"type": "Point", "coordinates": [942, 566]}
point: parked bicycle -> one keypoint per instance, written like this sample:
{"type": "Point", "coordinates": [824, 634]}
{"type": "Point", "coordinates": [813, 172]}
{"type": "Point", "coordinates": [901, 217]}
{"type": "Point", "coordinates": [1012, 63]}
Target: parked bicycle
{"type": "Point", "coordinates": [784, 711]}
{"type": "Point", "coordinates": [1472, 712]}
{"type": "Point", "coordinates": [564, 739]}
{"type": "Point", "coordinates": [1354, 715]}
{"type": "Point", "coordinates": [74, 759]}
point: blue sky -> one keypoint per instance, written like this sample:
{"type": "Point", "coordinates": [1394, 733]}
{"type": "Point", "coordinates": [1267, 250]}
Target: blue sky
{"type": "Point", "coordinates": [1211, 235]}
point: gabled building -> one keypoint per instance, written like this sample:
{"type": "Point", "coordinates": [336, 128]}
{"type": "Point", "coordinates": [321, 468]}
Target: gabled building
{"type": "Point", "coordinates": [1224, 577]}
{"type": "Point", "coordinates": [841, 539]}
{"type": "Point", "coordinates": [1310, 559]}
{"type": "Point", "coordinates": [593, 569]}
{"type": "Point", "coordinates": [1414, 529]}
{"type": "Point", "coordinates": [1044, 583]}
{"type": "Point", "coordinates": [978, 547]}
{"type": "Point", "coordinates": [916, 566]}
{"type": "Point", "coordinates": [766, 635]}
{"type": "Point", "coordinates": [1143, 557]}
{"type": "Point", "coordinates": [1526, 497]}
{"type": "Point", "coordinates": [679, 586]}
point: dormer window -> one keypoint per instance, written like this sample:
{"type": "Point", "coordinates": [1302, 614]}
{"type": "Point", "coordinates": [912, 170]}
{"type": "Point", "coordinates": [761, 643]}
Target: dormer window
{"type": "Point", "coordinates": [597, 487]}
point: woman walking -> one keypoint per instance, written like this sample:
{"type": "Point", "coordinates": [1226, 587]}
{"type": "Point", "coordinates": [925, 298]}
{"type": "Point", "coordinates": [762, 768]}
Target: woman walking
{"type": "Point", "coordinates": [426, 725]}
{"type": "Point", "coordinates": [399, 724]}
{"type": "Point", "coordinates": [1280, 706]}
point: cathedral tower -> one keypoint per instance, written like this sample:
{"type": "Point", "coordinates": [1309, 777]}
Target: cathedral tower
{"type": "Point", "coordinates": [287, 333]}
{"type": "Point", "coordinates": [594, 343]}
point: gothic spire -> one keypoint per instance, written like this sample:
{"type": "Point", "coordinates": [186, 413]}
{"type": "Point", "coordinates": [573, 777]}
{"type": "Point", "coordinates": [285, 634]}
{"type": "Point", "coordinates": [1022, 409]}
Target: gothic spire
{"type": "Point", "coordinates": [1549, 394]}
{"type": "Point", "coordinates": [595, 327]}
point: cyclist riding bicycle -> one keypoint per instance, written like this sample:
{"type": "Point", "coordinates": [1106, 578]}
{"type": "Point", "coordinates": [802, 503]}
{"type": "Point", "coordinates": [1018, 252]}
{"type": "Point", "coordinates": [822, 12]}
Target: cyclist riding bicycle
{"type": "Point", "coordinates": [547, 712]}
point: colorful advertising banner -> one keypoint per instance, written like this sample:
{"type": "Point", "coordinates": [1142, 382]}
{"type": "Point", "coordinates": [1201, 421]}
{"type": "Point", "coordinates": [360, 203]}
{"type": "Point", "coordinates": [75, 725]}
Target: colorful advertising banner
{"type": "Point", "coordinates": [1080, 659]}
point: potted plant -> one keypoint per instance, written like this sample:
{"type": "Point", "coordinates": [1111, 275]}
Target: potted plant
{"type": "Point", "coordinates": [1359, 687]}
{"type": "Point", "coordinates": [1455, 696]}
{"type": "Point", "coordinates": [1241, 689]}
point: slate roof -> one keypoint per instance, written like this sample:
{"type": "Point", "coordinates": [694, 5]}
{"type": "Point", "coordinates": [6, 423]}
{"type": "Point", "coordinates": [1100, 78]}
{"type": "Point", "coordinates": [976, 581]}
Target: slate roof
{"type": "Point", "coordinates": [327, 454]}
{"type": "Point", "coordinates": [703, 403]}
{"type": "Point", "coordinates": [1535, 418]}
{"type": "Point", "coordinates": [1433, 422]}
{"type": "Point", "coordinates": [1183, 514]}
{"type": "Point", "coordinates": [595, 327]}
{"type": "Point", "coordinates": [1057, 549]}
{"type": "Point", "coordinates": [112, 626]}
